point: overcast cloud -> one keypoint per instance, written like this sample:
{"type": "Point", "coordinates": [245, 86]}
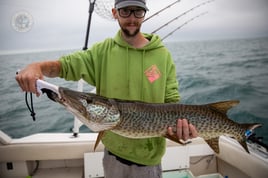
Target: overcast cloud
{"type": "Point", "coordinates": [61, 24]}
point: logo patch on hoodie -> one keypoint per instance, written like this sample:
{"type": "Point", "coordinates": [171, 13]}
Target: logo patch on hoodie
{"type": "Point", "coordinates": [152, 73]}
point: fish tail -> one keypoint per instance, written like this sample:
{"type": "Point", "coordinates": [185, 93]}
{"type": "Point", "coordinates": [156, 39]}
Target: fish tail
{"type": "Point", "coordinates": [249, 129]}
{"type": "Point", "coordinates": [251, 126]}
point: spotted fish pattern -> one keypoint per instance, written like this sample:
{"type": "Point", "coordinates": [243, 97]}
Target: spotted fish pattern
{"type": "Point", "coordinates": [135, 119]}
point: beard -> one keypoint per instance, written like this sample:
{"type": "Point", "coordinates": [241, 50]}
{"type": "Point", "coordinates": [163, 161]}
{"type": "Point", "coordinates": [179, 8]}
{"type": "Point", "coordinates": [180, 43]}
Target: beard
{"type": "Point", "coordinates": [129, 33]}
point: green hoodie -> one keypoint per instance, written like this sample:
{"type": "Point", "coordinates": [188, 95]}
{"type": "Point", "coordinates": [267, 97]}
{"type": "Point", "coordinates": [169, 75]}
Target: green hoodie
{"type": "Point", "coordinates": [120, 71]}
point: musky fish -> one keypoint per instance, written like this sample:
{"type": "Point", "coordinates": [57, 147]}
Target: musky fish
{"type": "Point", "coordinates": [135, 119]}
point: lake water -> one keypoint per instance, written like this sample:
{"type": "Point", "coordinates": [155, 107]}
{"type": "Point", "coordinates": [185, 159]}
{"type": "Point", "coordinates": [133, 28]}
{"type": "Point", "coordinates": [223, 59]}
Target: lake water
{"type": "Point", "coordinates": [208, 71]}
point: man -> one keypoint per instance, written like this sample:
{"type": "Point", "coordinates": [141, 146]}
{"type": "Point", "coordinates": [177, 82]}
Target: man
{"type": "Point", "coordinates": [131, 66]}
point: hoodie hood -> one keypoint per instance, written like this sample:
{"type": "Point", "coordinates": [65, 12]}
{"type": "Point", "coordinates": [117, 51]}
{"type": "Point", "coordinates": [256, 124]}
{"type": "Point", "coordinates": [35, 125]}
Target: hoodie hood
{"type": "Point", "coordinates": [154, 41]}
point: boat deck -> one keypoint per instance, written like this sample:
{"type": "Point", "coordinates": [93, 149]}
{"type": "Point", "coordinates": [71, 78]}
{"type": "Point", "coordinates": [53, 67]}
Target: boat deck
{"type": "Point", "coordinates": [61, 155]}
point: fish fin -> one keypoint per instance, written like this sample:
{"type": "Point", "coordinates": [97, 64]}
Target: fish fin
{"type": "Point", "coordinates": [243, 143]}
{"type": "Point", "coordinates": [100, 135]}
{"type": "Point", "coordinates": [214, 144]}
{"type": "Point", "coordinates": [172, 138]}
{"type": "Point", "coordinates": [223, 106]}
{"type": "Point", "coordinates": [249, 127]}
{"type": "Point", "coordinates": [175, 139]}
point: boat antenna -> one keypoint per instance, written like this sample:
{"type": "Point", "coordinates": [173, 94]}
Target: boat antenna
{"type": "Point", "coordinates": [161, 10]}
{"type": "Point", "coordinates": [185, 23]}
{"type": "Point", "coordinates": [182, 14]}
{"type": "Point", "coordinates": [90, 11]}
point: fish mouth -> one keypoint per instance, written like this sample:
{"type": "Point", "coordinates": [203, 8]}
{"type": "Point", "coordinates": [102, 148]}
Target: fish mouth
{"type": "Point", "coordinates": [63, 98]}
{"type": "Point", "coordinates": [51, 94]}
{"type": "Point", "coordinates": [69, 99]}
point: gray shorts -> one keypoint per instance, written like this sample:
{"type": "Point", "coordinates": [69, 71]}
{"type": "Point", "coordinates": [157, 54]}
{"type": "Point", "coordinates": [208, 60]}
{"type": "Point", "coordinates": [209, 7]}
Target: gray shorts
{"type": "Point", "coordinates": [115, 167]}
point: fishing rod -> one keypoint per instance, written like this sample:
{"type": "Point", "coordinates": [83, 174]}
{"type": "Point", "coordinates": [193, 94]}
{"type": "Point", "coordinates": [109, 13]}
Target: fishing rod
{"type": "Point", "coordinates": [184, 13]}
{"type": "Point", "coordinates": [77, 123]}
{"type": "Point", "coordinates": [90, 12]}
{"type": "Point", "coordinates": [185, 23]}
{"type": "Point", "coordinates": [161, 10]}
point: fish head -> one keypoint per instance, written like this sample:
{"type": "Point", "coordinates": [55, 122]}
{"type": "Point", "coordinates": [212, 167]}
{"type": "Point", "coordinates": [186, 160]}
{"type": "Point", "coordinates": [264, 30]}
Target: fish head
{"type": "Point", "coordinates": [96, 112]}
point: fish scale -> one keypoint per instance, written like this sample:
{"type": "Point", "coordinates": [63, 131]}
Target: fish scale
{"type": "Point", "coordinates": [171, 113]}
{"type": "Point", "coordinates": [138, 120]}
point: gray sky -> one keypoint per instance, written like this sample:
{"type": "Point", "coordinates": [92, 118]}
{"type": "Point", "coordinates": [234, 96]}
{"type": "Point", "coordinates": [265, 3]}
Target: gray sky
{"type": "Point", "coordinates": [61, 24]}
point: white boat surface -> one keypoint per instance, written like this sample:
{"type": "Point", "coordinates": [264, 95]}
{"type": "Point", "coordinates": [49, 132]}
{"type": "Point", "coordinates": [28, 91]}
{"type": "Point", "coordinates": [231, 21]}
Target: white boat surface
{"type": "Point", "coordinates": [61, 155]}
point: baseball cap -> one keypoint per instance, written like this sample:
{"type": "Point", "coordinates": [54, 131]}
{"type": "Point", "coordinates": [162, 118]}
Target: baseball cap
{"type": "Point", "coordinates": [125, 3]}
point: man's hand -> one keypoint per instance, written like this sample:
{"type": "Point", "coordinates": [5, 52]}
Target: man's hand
{"type": "Point", "coordinates": [184, 130]}
{"type": "Point", "coordinates": [27, 77]}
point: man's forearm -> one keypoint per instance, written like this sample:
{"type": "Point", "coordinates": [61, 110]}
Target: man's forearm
{"type": "Point", "coordinates": [50, 68]}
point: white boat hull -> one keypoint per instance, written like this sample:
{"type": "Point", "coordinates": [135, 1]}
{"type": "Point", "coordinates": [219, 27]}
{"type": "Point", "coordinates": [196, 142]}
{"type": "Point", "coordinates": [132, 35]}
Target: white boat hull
{"type": "Point", "coordinates": [63, 155]}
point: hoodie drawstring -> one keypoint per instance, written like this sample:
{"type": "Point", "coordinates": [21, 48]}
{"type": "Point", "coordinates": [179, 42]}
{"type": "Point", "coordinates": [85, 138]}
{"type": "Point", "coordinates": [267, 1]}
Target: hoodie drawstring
{"type": "Point", "coordinates": [128, 80]}
{"type": "Point", "coordinates": [142, 77]}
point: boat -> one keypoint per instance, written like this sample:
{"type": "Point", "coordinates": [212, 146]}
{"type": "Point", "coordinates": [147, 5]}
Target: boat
{"type": "Point", "coordinates": [46, 155]}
